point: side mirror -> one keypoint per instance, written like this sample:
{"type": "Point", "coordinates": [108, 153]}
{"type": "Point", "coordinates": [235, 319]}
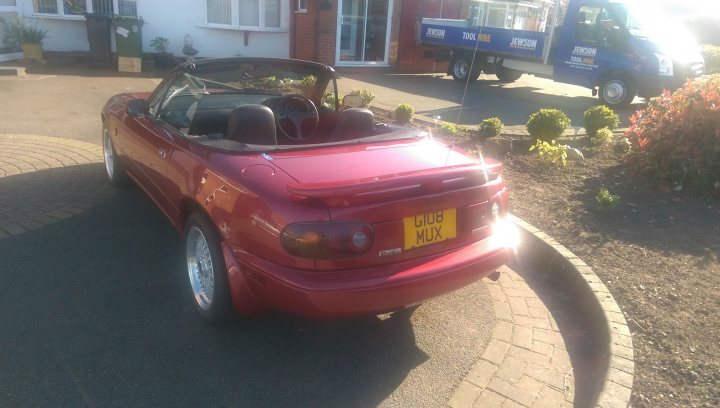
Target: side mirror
{"type": "Point", "coordinates": [137, 108]}
{"type": "Point", "coordinates": [352, 101]}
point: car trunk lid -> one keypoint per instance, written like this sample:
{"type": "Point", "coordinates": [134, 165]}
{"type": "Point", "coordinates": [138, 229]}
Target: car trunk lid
{"type": "Point", "coordinates": [421, 197]}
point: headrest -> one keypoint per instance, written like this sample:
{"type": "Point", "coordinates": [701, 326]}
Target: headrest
{"type": "Point", "coordinates": [252, 124]}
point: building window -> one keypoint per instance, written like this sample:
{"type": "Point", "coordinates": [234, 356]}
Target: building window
{"type": "Point", "coordinates": [240, 14]}
{"type": "Point", "coordinates": [219, 12]}
{"type": "Point", "coordinates": [302, 6]}
{"type": "Point", "coordinates": [72, 8]}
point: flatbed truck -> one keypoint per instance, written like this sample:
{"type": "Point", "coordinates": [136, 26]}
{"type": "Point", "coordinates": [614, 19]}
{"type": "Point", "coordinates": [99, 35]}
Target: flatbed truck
{"type": "Point", "coordinates": [616, 48]}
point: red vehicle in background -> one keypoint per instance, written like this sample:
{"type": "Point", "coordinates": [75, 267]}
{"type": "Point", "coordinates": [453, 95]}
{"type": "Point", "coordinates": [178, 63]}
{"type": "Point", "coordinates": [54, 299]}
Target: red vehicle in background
{"type": "Point", "coordinates": [288, 203]}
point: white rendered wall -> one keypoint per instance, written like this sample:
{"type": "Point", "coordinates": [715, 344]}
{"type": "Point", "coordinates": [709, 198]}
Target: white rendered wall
{"type": "Point", "coordinates": [171, 19]}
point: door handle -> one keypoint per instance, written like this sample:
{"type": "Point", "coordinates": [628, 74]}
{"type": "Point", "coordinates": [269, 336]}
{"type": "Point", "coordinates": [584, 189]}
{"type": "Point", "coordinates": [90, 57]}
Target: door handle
{"type": "Point", "coordinates": [162, 152]}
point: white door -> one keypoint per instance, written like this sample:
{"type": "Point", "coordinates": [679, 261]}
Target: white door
{"type": "Point", "coordinates": [9, 11]}
{"type": "Point", "coordinates": [363, 36]}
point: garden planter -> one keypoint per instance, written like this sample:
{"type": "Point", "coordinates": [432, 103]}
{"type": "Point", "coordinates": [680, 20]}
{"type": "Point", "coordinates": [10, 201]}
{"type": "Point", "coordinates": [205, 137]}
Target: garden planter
{"type": "Point", "coordinates": [32, 51]}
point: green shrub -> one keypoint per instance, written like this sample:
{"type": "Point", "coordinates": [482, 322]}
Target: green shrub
{"type": "Point", "coordinates": [404, 113]}
{"type": "Point", "coordinates": [550, 152]}
{"type": "Point", "coordinates": [450, 128]}
{"type": "Point", "coordinates": [676, 140]}
{"type": "Point", "coordinates": [9, 34]}
{"type": "Point", "coordinates": [161, 44]}
{"type": "Point", "coordinates": [328, 100]}
{"type": "Point", "coordinates": [602, 137]}
{"type": "Point", "coordinates": [307, 85]}
{"type": "Point", "coordinates": [547, 124]}
{"type": "Point", "coordinates": [711, 54]}
{"type": "Point", "coordinates": [366, 95]}
{"type": "Point", "coordinates": [490, 127]}
{"type": "Point", "coordinates": [606, 201]}
{"type": "Point", "coordinates": [21, 31]}
{"type": "Point", "coordinates": [599, 117]}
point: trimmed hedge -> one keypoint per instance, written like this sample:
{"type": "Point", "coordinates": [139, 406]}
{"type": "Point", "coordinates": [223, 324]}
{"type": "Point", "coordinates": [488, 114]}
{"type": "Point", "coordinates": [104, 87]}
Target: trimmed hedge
{"type": "Point", "coordinates": [547, 124]}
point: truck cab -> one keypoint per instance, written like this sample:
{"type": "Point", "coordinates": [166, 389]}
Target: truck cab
{"type": "Point", "coordinates": [619, 50]}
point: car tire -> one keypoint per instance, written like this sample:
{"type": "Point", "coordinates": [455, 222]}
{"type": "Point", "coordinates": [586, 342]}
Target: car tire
{"type": "Point", "coordinates": [206, 269]}
{"type": "Point", "coordinates": [617, 91]}
{"type": "Point", "coordinates": [460, 70]}
{"type": "Point", "coordinates": [507, 75]}
{"type": "Point", "coordinates": [113, 168]}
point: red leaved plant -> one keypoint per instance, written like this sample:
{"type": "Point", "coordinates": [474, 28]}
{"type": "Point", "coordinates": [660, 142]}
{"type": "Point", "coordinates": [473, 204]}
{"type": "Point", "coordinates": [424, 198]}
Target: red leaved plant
{"type": "Point", "coordinates": [676, 139]}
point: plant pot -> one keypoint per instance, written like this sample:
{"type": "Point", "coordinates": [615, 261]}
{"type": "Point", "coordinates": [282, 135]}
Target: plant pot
{"type": "Point", "coordinates": [164, 60]}
{"type": "Point", "coordinates": [32, 51]}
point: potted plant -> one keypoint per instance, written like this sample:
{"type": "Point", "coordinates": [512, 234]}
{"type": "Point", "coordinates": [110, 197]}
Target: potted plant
{"type": "Point", "coordinates": [163, 58]}
{"type": "Point", "coordinates": [30, 37]}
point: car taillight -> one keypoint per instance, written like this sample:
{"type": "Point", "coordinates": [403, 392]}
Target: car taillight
{"type": "Point", "coordinates": [327, 240]}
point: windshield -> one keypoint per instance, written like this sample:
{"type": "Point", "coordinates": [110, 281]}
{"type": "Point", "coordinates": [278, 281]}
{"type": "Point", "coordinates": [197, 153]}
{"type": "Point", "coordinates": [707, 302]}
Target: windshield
{"type": "Point", "coordinates": [637, 19]}
{"type": "Point", "coordinates": [648, 23]}
{"type": "Point", "coordinates": [262, 78]}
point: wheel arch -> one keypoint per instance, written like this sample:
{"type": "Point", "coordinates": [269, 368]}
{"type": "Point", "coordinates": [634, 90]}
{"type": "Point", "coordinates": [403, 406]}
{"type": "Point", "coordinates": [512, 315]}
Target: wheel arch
{"type": "Point", "coordinates": [602, 77]}
{"type": "Point", "coordinates": [188, 206]}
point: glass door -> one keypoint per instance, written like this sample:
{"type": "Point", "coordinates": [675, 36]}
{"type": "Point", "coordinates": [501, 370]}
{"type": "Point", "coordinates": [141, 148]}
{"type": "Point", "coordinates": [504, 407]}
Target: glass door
{"type": "Point", "coordinates": [9, 49]}
{"type": "Point", "coordinates": [363, 32]}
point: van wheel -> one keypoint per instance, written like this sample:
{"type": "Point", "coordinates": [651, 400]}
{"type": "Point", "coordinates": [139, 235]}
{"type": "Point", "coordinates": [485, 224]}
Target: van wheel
{"type": "Point", "coordinates": [616, 91]}
{"type": "Point", "coordinates": [460, 70]}
{"type": "Point", "coordinates": [507, 75]}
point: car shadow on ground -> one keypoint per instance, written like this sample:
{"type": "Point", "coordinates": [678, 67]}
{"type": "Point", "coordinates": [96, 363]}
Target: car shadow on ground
{"type": "Point", "coordinates": [94, 311]}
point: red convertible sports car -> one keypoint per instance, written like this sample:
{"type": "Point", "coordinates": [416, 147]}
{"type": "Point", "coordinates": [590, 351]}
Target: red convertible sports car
{"type": "Point", "coordinates": [288, 202]}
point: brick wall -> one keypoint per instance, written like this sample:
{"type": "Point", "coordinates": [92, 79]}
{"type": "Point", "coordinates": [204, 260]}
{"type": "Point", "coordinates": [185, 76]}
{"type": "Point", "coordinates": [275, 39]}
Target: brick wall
{"type": "Point", "coordinates": [313, 35]}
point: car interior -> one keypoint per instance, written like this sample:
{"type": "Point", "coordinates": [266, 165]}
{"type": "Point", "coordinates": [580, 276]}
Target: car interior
{"type": "Point", "coordinates": [260, 110]}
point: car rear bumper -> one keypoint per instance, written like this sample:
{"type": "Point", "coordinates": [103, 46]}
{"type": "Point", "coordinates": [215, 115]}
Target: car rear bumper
{"type": "Point", "coordinates": [346, 292]}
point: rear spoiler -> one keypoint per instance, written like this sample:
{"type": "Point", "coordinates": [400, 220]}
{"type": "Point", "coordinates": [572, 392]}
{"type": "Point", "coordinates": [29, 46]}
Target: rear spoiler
{"type": "Point", "coordinates": [428, 179]}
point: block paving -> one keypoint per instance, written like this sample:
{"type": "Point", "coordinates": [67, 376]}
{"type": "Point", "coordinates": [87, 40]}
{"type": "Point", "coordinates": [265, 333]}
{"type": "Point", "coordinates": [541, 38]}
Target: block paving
{"type": "Point", "coordinates": [47, 179]}
{"type": "Point", "coordinates": [528, 360]}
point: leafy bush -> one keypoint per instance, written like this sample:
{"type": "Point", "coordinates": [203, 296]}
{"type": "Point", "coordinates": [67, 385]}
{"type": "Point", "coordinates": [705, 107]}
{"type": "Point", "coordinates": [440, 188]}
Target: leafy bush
{"type": "Point", "coordinates": [366, 95]}
{"type": "Point", "coordinates": [602, 137]}
{"type": "Point", "coordinates": [599, 117]}
{"type": "Point", "coordinates": [547, 124]}
{"type": "Point", "coordinates": [711, 54]}
{"type": "Point", "coordinates": [450, 128]}
{"type": "Point", "coordinates": [161, 44]}
{"type": "Point", "coordinates": [550, 152]}
{"type": "Point", "coordinates": [307, 85]}
{"type": "Point", "coordinates": [676, 139]}
{"type": "Point", "coordinates": [11, 40]}
{"type": "Point", "coordinates": [328, 100]}
{"type": "Point", "coordinates": [606, 200]}
{"type": "Point", "coordinates": [21, 31]}
{"type": "Point", "coordinates": [490, 127]}
{"type": "Point", "coordinates": [404, 113]}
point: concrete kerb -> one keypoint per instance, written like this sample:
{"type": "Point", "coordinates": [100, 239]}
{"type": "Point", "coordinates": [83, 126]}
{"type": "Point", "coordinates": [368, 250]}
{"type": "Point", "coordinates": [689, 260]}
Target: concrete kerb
{"type": "Point", "coordinates": [609, 329]}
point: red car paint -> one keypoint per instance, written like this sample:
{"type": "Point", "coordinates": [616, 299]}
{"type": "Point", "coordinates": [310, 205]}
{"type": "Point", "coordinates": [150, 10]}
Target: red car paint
{"type": "Point", "coordinates": [250, 197]}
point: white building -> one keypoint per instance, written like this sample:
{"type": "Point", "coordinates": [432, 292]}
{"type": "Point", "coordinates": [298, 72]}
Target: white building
{"type": "Point", "coordinates": [219, 28]}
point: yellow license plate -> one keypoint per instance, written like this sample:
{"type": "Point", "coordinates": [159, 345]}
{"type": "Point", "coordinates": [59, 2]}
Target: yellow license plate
{"type": "Point", "coordinates": [426, 229]}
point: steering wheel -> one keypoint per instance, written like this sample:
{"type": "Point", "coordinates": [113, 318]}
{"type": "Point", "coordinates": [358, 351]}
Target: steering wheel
{"type": "Point", "coordinates": [295, 109]}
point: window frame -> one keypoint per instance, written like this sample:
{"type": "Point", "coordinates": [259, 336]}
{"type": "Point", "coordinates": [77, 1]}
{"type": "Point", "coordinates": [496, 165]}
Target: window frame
{"type": "Point", "coordinates": [300, 7]}
{"type": "Point", "coordinates": [235, 18]}
{"type": "Point", "coordinates": [61, 11]}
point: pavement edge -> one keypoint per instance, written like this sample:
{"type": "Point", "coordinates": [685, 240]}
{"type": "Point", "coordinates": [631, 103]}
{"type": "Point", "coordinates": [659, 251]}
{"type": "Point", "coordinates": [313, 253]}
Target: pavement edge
{"type": "Point", "coordinates": [615, 364]}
